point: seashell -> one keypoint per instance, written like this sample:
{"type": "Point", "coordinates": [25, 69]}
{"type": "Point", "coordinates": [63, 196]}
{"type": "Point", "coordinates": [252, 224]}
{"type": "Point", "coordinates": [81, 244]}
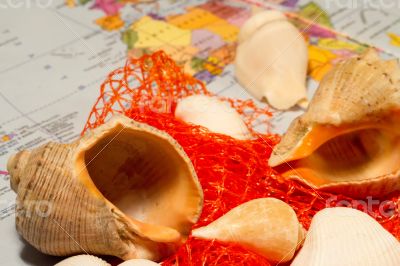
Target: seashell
{"type": "Point", "coordinates": [271, 60]}
{"type": "Point", "coordinates": [348, 140]}
{"type": "Point", "coordinates": [213, 114]}
{"type": "Point", "coordinates": [83, 260]}
{"type": "Point", "coordinates": [138, 262]}
{"type": "Point", "coordinates": [124, 189]}
{"type": "Point", "coordinates": [347, 237]}
{"type": "Point", "coordinates": [267, 226]}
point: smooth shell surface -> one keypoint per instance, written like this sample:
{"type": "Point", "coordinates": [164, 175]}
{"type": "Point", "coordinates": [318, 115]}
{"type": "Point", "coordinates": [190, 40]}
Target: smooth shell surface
{"type": "Point", "coordinates": [348, 141]}
{"type": "Point", "coordinates": [138, 262]}
{"type": "Point", "coordinates": [266, 226]}
{"type": "Point", "coordinates": [83, 260]}
{"type": "Point", "coordinates": [347, 237]}
{"type": "Point", "coordinates": [213, 114]}
{"type": "Point", "coordinates": [124, 189]}
{"type": "Point", "coordinates": [271, 60]}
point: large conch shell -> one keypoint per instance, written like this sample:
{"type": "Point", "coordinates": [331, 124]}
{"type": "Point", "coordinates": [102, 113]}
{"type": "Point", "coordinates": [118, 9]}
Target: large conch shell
{"type": "Point", "coordinates": [124, 189]}
{"type": "Point", "coordinates": [347, 237]}
{"type": "Point", "coordinates": [267, 226]}
{"type": "Point", "coordinates": [213, 114]}
{"type": "Point", "coordinates": [271, 60]}
{"type": "Point", "coordinates": [348, 141]}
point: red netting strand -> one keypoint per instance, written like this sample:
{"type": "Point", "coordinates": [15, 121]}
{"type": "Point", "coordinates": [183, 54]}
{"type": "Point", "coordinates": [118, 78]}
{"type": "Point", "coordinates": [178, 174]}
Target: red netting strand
{"type": "Point", "coordinates": [231, 171]}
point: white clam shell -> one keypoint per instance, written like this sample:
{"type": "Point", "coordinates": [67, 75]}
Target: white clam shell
{"type": "Point", "coordinates": [213, 114]}
{"type": "Point", "coordinates": [83, 260]}
{"type": "Point", "coordinates": [271, 60]}
{"type": "Point", "coordinates": [138, 262]}
{"type": "Point", "coordinates": [347, 237]}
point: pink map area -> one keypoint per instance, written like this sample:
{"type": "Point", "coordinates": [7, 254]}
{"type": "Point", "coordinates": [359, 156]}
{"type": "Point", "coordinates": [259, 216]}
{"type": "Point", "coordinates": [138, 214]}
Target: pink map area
{"type": "Point", "coordinates": [206, 41]}
{"type": "Point", "coordinates": [233, 15]}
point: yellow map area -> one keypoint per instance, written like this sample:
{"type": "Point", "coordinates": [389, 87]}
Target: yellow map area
{"type": "Point", "coordinates": [319, 62]}
{"type": "Point", "coordinates": [323, 54]}
{"type": "Point", "coordinates": [182, 55]}
{"type": "Point", "coordinates": [219, 58]}
{"type": "Point", "coordinates": [333, 44]}
{"type": "Point", "coordinates": [198, 18]}
{"type": "Point", "coordinates": [394, 39]}
{"type": "Point", "coordinates": [155, 33]}
{"type": "Point", "coordinates": [110, 23]}
{"type": "Point", "coordinates": [70, 3]}
{"type": "Point", "coordinates": [5, 138]}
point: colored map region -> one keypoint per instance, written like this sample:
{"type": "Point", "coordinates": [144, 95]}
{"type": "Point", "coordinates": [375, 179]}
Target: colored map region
{"type": "Point", "coordinates": [376, 24]}
{"type": "Point", "coordinates": [152, 33]}
{"type": "Point", "coordinates": [209, 43]}
{"type": "Point", "coordinates": [110, 7]}
{"type": "Point", "coordinates": [198, 18]}
{"type": "Point", "coordinates": [7, 137]}
{"type": "Point", "coordinates": [288, 3]}
{"type": "Point", "coordinates": [315, 13]}
{"type": "Point", "coordinates": [202, 38]}
{"type": "Point", "coordinates": [4, 175]}
{"type": "Point", "coordinates": [320, 61]}
{"type": "Point", "coordinates": [324, 53]}
{"type": "Point", "coordinates": [394, 39]}
{"type": "Point", "coordinates": [110, 23]}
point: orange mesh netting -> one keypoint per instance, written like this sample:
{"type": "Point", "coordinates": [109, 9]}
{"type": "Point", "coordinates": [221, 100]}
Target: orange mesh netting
{"type": "Point", "coordinates": [231, 171]}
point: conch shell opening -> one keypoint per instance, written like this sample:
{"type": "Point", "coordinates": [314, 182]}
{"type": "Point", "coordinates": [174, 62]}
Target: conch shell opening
{"type": "Point", "coordinates": [124, 189]}
{"type": "Point", "coordinates": [128, 165]}
{"type": "Point", "coordinates": [353, 156]}
{"type": "Point", "coordinates": [348, 141]}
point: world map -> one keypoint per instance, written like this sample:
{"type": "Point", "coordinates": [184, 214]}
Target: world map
{"type": "Point", "coordinates": [202, 37]}
{"type": "Point", "coordinates": [91, 38]}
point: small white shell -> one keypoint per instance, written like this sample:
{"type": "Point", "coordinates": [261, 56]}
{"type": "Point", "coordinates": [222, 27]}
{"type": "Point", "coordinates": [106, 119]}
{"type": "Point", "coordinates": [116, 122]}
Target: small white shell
{"type": "Point", "coordinates": [267, 226]}
{"type": "Point", "coordinates": [347, 237]}
{"type": "Point", "coordinates": [213, 114]}
{"type": "Point", "coordinates": [139, 262]}
{"type": "Point", "coordinates": [83, 260]}
{"type": "Point", "coordinates": [257, 21]}
{"type": "Point", "coordinates": [271, 60]}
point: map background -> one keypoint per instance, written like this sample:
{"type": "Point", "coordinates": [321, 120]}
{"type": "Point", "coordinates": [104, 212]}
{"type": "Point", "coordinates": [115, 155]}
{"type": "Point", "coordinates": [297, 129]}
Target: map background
{"type": "Point", "coordinates": [53, 60]}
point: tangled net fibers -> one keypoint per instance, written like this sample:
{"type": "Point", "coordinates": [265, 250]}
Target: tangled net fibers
{"type": "Point", "coordinates": [231, 171]}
